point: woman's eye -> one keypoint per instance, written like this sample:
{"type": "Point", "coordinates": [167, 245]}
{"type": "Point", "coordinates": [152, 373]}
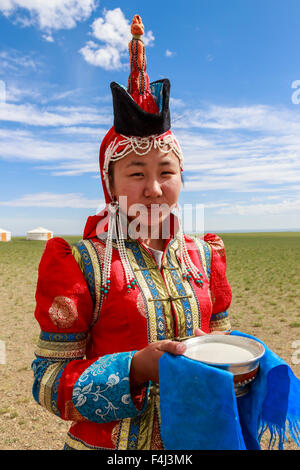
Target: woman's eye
{"type": "Point", "coordinates": [137, 174]}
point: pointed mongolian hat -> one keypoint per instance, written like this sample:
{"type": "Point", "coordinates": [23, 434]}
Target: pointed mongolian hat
{"type": "Point", "coordinates": [141, 123]}
{"type": "Point", "coordinates": [141, 112]}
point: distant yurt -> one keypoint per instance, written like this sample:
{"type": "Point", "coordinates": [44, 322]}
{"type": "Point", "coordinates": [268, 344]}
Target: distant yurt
{"type": "Point", "coordinates": [39, 233]}
{"type": "Point", "coordinates": [5, 236]}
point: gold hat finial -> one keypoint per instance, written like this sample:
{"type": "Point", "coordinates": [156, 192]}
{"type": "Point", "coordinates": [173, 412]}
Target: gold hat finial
{"type": "Point", "coordinates": [137, 27]}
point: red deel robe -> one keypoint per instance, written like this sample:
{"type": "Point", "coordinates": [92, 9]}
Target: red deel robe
{"type": "Point", "coordinates": [83, 357]}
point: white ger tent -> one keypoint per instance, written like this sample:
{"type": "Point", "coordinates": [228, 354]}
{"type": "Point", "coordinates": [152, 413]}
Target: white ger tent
{"type": "Point", "coordinates": [39, 233]}
{"type": "Point", "coordinates": [5, 236]}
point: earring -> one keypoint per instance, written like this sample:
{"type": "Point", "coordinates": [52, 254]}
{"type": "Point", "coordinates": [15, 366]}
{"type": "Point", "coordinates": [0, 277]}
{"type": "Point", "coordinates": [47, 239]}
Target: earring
{"type": "Point", "coordinates": [189, 270]}
{"type": "Point", "coordinates": [115, 231]}
{"type": "Point", "coordinates": [111, 233]}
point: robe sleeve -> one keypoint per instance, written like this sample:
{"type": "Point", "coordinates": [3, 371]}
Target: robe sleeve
{"type": "Point", "coordinates": [65, 382]}
{"type": "Point", "coordinates": [220, 290]}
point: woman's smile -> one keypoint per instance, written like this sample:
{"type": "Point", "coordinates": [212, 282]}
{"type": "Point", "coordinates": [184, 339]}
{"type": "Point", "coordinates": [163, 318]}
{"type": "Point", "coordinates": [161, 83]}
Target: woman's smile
{"type": "Point", "coordinates": [151, 184]}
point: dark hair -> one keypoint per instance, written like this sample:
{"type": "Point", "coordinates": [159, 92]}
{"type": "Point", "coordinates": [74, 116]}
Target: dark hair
{"type": "Point", "coordinates": [111, 173]}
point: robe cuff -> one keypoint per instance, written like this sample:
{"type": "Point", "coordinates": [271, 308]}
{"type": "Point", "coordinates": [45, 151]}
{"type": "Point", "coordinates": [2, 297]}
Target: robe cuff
{"type": "Point", "coordinates": [102, 392]}
{"type": "Point", "coordinates": [220, 322]}
{"type": "Point", "coordinates": [47, 375]}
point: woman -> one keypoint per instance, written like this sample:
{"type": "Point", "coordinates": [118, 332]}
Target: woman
{"type": "Point", "coordinates": [111, 305]}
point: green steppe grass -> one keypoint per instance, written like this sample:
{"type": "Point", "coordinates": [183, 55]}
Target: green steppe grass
{"type": "Point", "coordinates": [263, 270]}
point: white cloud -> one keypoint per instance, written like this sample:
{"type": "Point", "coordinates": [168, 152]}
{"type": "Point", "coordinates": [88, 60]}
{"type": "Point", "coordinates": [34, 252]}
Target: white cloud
{"type": "Point", "coordinates": [214, 205]}
{"type": "Point", "coordinates": [239, 149]}
{"type": "Point", "coordinates": [16, 95]}
{"type": "Point", "coordinates": [288, 205]}
{"type": "Point", "coordinates": [33, 115]}
{"type": "Point", "coordinates": [62, 95]}
{"type": "Point", "coordinates": [113, 29]}
{"type": "Point", "coordinates": [16, 145]}
{"type": "Point", "coordinates": [70, 136]}
{"type": "Point", "coordinates": [48, 37]}
{"type": "Point", "coordinates": [74, 168]}
{"type": "Point", "coordinates": [252, 118]}
{"type": "Point", "coordinates": [59, 201]}
{"type": "Point", "coordinates": [3, 93]}
{"type": "Point", "coordinates": [260, 159]}
{"type": "Point", "coordinates": [82, 132]}
{"type": "Point", "coordinates": [13, 61]}
{"type": "Point", "coordinates": [107, 57]}
{"type": "Point", "coordinates": [113, 32]}
{"type": "Point", "coordinates": [235, 174]}
{"type": "Point", "coordinates": [176, 102]}
{"type": "Point", "coordinates": [48, 15]}
{"type": "Point", "coordinates": [169, 53]}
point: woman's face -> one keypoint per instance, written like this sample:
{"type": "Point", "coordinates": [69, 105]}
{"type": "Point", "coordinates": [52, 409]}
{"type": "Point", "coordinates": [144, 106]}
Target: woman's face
{"type": "Point", "coordinates": [147, 180]}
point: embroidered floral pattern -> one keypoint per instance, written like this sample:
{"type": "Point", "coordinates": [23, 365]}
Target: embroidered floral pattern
{"type": "Point", "coordinates": [140, 303]}
{"type": "Point", "coordinates": [63, 312]}
{"type": "Point", "coordinates": [102, 392]}
{"type": "Point", "coordinates": [101, 251]}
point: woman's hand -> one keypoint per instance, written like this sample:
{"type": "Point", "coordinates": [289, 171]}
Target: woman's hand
{"type": "Point", "coordinates": [199, 332]}
{"type": "Point", "coordinates": [144, 364]}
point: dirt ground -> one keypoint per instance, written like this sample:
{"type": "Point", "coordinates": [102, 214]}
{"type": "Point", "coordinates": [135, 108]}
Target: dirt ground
{"type": "Point", "coordinates": [266, 303]}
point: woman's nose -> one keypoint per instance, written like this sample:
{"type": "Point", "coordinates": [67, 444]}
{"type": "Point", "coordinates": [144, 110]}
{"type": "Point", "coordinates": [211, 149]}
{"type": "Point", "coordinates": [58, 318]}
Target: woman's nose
{"type": "Point", "coordinates": [152, 188]}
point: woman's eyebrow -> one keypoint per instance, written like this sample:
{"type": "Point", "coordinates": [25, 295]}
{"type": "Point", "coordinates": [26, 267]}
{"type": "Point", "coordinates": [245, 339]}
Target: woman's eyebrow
{"type": "Point", "coordinates": [141, 163]}
{"type": "Point", "coordinates": [135, 163]}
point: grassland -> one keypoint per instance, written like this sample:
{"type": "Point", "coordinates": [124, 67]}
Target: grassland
{"type": "Point", "coordinates": [263, 270]}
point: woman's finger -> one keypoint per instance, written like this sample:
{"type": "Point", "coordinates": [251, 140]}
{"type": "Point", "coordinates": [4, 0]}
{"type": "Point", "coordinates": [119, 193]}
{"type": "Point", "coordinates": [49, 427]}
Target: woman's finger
{"type": "Point", "coordinates": [199, 332]}
{"type": "Point", "coordinates": [172, 347]}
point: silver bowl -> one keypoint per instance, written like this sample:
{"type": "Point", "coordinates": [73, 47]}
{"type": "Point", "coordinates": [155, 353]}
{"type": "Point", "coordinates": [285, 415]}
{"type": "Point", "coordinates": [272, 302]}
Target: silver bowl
{"type": "Point", "coordinates": [244, 365]}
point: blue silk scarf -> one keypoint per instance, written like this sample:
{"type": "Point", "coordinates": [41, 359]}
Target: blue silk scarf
{"type": "Point", "coordinates": [199, 409]}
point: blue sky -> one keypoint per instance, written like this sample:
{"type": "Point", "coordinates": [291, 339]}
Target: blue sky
{"type": "Point", "coordinates": [235, 86]}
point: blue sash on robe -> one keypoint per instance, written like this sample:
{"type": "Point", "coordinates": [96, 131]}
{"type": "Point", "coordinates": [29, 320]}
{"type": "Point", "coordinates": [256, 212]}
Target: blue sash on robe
{"type": "Point", "coordinates": [199, 409]}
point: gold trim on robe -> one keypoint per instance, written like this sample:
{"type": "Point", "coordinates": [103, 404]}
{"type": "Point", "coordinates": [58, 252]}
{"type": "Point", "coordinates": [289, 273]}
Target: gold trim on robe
{"type": "Point", "coordinates": [168, 301]}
